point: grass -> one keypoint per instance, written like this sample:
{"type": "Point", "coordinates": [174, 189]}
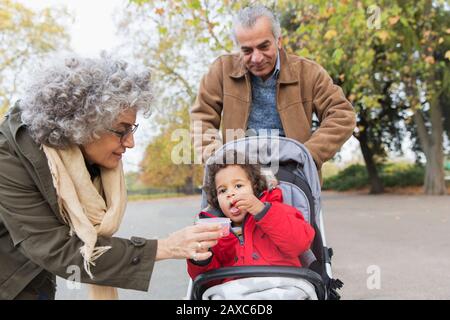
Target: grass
{"type": "Point", "coordinates": [143, 197]}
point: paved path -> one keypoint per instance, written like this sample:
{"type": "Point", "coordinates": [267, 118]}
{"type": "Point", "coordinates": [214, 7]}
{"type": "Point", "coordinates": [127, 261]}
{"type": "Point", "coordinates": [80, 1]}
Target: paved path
{"type": "Point", "coordinates": [405, 240]}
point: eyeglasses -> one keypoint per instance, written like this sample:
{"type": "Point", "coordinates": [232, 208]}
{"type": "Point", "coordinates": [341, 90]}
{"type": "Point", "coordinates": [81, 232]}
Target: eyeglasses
{"type": "Point", "coordinates": [125, 133]}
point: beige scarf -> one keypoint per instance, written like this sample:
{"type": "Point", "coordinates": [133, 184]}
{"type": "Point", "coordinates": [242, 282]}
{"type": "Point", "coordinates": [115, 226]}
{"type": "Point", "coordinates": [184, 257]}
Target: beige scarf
{"type": "Point", "coordinates": [83, 207]}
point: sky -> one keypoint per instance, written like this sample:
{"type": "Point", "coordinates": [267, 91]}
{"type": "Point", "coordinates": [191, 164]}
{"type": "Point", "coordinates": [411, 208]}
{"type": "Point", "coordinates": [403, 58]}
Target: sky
{"type": "Point", "coordinates": [94, 30]}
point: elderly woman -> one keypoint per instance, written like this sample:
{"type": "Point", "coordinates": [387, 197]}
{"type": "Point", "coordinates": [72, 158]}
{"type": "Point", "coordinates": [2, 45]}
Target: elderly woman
{"type": "Point", "coordinates": [62, 188]}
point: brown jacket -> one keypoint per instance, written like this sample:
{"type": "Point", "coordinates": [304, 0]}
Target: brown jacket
{"type": "Point", "coordinates": [35, 242]}
{"type": "Point", "coordinates": [303, 88]}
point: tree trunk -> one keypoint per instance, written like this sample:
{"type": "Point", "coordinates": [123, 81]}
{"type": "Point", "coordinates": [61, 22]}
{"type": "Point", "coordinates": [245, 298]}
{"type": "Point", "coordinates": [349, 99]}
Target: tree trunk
{"type": "Point", "coordinates": [432, 146]}
{"type": "Point", "coordinates": [189, 186]}
{"type": "Point", "coordinates": [376, 185]}
{"type": "Point", "coordinates": [434, 183]}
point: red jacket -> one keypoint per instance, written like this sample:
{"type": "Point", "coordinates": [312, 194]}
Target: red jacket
{"type": "Point", "coordinates": [278, 238]}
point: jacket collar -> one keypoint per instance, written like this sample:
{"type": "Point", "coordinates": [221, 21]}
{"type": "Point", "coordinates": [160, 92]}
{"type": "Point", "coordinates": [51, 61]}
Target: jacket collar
{"type": "Point", "coordinates": [272, 195]}
{"type": "Point", "coordinates": [15, 123]}
{"type": "Point", "coordinates": [286, 74]}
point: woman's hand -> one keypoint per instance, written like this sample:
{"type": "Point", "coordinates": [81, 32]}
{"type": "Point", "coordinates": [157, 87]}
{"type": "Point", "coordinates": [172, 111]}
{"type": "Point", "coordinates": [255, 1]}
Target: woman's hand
{"type": "Point", "coordinates": [191, 242]}
{"type": "Point", "coordinates": [249, 203]}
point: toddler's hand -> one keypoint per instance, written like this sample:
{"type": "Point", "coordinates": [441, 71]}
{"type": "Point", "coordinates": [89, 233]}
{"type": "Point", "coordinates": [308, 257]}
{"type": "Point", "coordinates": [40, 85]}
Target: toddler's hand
{"type": "Point", "coordinates": [248, 202]}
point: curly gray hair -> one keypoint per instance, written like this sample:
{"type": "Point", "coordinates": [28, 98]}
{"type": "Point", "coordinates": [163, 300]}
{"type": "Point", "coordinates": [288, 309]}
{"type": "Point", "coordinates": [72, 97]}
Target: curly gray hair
{"type": "Point", "coordinates": [76, 99]}
{"type": "Point", "coordinates": [248, 16]}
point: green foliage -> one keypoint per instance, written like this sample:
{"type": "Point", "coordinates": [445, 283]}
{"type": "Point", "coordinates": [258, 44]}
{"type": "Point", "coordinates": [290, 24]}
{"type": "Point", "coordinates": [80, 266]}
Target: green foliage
{"type": "Point", "coordinates": [329, 169]}
{"type": "Point", "coordinates": [338, 35]}
{"type": "Point", "coordinates": [402, 175]}
{"type": "Point", "coordinates": [353, 177]}
{"type": "Point", "coordinates": [169, 159]}
{"type": "Point", "coordinates": [189, 35]}
{"type": "Point", "coordinates": [392, 174]}
{"type": "Point", "coordinates": [388, 71]}
{"type": "Point", "coordinates": [447, 163]}
{"type": "Point", "coordinates": [392, 60]}
{"type": "Point", "coordinates": [132, 181]}
{"type": "Point", "coordinates": [145, 197]}
{"type": "Point", "coordinates": [25, 35]}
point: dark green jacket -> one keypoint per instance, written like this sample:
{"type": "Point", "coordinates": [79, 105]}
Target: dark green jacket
{"type": "Point", "coordinates": [33, 237]}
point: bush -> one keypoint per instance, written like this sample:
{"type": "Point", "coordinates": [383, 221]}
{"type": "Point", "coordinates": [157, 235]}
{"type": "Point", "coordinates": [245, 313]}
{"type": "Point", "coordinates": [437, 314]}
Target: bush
{"type": "Point", "coordinates": [402, 175]}
{"type": "Point", "coordinates": [352, 177]}
{"type": "Point", "coordinates": [392, 175]}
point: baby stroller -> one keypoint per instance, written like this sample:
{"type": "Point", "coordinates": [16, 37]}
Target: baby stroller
{"type": "Point", "coordinates": [298, 179]}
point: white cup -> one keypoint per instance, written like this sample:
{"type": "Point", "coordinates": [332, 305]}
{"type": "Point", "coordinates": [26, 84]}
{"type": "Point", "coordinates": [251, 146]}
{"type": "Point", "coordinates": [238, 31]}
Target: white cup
{"type": "Point", "coordinates": [224, 222]}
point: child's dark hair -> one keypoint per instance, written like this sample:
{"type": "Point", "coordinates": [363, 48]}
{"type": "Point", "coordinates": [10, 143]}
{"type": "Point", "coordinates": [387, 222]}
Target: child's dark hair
{"type": "Point", "coordinates": [232, 158]}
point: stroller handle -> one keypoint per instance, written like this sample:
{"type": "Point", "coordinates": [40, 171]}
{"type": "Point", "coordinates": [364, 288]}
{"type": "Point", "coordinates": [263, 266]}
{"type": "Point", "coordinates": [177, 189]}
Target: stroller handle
{"type": "Point", "coordinates": [200, 283]}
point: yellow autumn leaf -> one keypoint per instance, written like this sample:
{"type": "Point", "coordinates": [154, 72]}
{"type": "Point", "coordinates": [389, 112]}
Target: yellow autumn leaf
{"type": "Point", "coordinates": [393, 20]}
{"type": "Point", "coordinates": [329, 12]}
{"type": "Point", "coordinates": [352, 97]}
{"type": "Point", "coordinates": [330, 34]}
{"type": "Point", "coordinates": [383, 35]}
{"type": "Point", "coordinates": [430, 60]}
{"type": "Point", "coordinates": [447, 54]}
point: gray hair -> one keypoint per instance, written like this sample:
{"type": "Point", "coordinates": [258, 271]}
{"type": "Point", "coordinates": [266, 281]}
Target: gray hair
{"type": "Point", "coordinates": [75, 99]}
{"type": "Point", "coordinates": [248, 16]}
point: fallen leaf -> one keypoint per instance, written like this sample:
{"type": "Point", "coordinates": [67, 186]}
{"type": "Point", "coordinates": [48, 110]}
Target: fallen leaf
{"type": "Point", "coordinates": [330, 34]}
{"type": "Point", "coordinates": [447, 54]}
{"type": "Point", "coordinates": [430, 60]}
{"type": "Point", "coordinates": [159, 11]}
{"type": "Point", "coordinates": [352, 97]}
{"type": "Point", "coordinates": [331, 10]}
{"type": "Point", "coordinates": [393, 20]}
{"type": "Point", "coordinates": [383, 35]}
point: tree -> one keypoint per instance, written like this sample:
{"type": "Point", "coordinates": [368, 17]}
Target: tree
{"type": "Point", "coordinates": [24, 35]}
{"type": "Point", "coordinates": [168, 159]}
{"type": "Point", "coordinates": [338, 36]}
{"type": "Point", "coordinates": [425, 77]}
{"type": "Point", "coordinates": [181, 26]}
{"type": "Point", "coordinates": [367, 50]}
{"type": "Point", "coordinates": [371, 52]}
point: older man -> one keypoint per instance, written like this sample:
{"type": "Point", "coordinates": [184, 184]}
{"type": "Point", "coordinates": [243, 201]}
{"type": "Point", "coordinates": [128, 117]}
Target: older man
{"type": "Point", "coordinates": [262, 89]}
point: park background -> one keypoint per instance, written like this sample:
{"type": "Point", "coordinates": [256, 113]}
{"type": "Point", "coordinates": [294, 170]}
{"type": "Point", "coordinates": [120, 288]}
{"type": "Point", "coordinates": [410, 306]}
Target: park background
{"type": "Point", "coordinates": [391, 58]}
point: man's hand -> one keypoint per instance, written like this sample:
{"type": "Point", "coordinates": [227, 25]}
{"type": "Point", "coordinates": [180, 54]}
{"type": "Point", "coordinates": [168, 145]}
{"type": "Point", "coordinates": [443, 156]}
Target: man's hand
{"type": "Point", "coordinates": [248, 202]}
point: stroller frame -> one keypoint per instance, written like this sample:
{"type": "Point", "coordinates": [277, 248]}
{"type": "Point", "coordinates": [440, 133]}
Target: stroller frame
{"type": "Point", "coordinates": [295, 169]}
